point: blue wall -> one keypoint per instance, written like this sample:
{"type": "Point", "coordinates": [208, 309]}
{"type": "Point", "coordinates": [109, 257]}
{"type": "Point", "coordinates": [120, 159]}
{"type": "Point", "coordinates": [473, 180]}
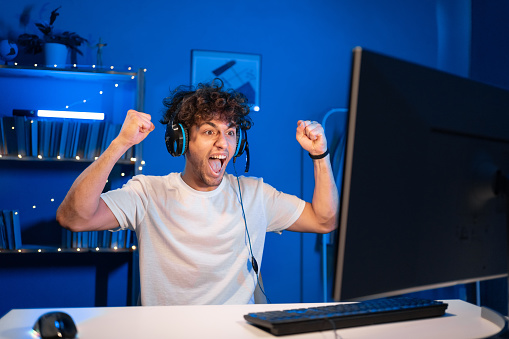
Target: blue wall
{"type": "Point", "coordinates": [489, 42]}
{"type": "Point", "coordinates": [305, 47]}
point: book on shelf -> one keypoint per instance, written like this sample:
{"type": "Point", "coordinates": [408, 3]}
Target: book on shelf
{"type": "Point", "coordinates": [19, 128]}
{"type": "Point", "coordinates": [10, 236]}
{"type": "Point", "coordinates": [10, 137]}
{"type": "Point", "coordinates": [3, 235]}
{"type": "Point", "coordinates": [44, 138]}
{"type": "Point", "coordinates": [56, 132]}
{"type": "Point", "coordinates": [63, 139]}
{"type": "Point", "coordinates": [34, 138]}
{"type": "Point", "coordinates": [49, 138]}
{"type": "Point", "coordinates": [75, 135]}
{"type": "Point", "coordinates": [94, 132]}
{"type": "Point", "coordinates": [2, 138]}
{"type": "Point", "coordinates": [10, 233]}
{"type": "Point", "coordinates": [123, 239]}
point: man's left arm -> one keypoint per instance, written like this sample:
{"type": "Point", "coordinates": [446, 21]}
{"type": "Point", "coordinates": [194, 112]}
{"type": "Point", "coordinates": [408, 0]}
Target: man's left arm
{"type": "Point", "coordinates": [319, 216]}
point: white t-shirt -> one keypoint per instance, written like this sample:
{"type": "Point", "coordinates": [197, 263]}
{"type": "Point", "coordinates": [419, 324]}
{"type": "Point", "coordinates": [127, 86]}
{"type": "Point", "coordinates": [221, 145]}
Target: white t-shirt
{"type": "Point", "coordinates": [193, 245]}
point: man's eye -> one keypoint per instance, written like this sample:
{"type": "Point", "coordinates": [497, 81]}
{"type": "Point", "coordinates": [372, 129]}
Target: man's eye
{"type": "Point", "coordinates": [231, 133]}
{"type": "Point", "coordinates": [209, 132]}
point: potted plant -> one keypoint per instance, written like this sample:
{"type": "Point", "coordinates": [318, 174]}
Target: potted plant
{"type": "Point", "coordinates": [51, 39]}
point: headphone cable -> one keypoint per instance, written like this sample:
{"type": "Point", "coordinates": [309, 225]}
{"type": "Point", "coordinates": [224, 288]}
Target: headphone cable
{"type": "Point", "coordinates": [254, 263]}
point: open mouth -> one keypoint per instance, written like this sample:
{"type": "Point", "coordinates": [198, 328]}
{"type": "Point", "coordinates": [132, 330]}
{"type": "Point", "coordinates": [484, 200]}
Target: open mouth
{"type": "Point", "coordinates": [216, 163]}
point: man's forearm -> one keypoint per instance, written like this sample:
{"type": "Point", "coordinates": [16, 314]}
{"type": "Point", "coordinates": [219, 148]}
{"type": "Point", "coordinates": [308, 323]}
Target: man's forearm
{"type": "Point", "coordinates": [325, 196]}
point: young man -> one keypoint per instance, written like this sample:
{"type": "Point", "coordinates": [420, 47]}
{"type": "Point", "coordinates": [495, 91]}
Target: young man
{"type": "Point", "coordinates": [200, 232]}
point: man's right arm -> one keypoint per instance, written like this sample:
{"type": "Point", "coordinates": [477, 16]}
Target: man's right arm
{"type": "Point", "coordinates": [83, 209]}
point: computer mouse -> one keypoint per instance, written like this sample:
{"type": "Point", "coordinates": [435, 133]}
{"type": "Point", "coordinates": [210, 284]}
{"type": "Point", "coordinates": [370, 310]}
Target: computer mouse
{"type": "Point", "coordinates": [56, 325]}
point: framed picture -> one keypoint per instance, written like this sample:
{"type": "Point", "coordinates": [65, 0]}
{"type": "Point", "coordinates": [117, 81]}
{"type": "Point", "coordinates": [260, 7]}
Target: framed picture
{"type": "Point", "coordinates": [238, 71]}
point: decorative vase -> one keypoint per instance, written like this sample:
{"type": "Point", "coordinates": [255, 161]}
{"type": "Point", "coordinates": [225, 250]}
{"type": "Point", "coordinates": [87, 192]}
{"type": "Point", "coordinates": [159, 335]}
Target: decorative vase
{"type": "Point", "coordinates": [55, 54]}
{"type": "Point", "coordinates": [8, 50]}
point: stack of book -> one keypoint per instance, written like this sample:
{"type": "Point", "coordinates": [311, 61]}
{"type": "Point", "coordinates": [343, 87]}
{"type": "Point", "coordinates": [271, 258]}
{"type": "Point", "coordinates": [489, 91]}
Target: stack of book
{"type": "Point", "coordinates": [10, 232]}
{"type": "Point", "coordinates": [56, 138]}
{"type": "Point", "coordinates": [124, 239]}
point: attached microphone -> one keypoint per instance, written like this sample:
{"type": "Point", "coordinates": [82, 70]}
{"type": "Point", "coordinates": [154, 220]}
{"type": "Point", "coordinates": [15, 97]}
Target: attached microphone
{"type": "Point", "coordinates": [247, 157]}
{"type": "Point", "coordinates": [254, 264]}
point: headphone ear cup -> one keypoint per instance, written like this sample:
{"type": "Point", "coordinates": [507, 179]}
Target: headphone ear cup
{"type": "Point", "coordinates": [242, 145]}
{"type": "Point", "coordinates": [170, 137]}
{"type": "Point", "coordinates": [176, 138]}
{"type": "Point", "coordinates": [241, 142]}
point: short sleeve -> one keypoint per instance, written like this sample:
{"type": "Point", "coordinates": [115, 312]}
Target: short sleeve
{"type": "Point", "coordinates": [282, 210]}
{"type": "Point", "coordinates": [128, 204]}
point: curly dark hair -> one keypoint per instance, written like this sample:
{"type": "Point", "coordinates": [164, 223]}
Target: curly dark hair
{"type": "Point", "coordinates": [207, 101]}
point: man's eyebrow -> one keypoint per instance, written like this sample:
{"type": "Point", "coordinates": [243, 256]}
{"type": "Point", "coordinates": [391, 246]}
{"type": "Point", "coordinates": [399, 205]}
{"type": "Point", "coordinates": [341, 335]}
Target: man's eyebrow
{"type": "Point", "coordinates": [210, 123]}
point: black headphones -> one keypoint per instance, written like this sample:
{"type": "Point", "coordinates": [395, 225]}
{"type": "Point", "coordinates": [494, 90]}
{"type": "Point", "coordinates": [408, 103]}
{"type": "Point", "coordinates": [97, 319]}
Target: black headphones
{"type": "Point", "coordinates": [177, 141]}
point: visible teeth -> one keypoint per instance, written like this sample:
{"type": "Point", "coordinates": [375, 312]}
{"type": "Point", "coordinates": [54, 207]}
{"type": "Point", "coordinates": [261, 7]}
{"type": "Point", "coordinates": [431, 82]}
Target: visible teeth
{"type": "Point", "coordinates": [218, 157]}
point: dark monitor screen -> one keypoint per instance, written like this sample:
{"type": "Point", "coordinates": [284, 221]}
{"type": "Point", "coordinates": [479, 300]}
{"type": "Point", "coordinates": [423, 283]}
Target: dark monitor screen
{"type": "Point", "coordinates": [417, 208]}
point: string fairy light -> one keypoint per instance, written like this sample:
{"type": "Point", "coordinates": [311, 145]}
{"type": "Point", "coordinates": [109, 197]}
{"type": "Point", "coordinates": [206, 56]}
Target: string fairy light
{"type": "Point", "coordinates": [84, 101]}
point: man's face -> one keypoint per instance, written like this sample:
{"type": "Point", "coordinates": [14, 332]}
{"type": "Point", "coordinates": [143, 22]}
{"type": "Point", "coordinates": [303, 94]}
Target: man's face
{"type": "Point", "coordinates": [211, 146]}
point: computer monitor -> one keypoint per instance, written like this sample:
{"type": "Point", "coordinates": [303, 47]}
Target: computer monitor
{"type": "Point", "coordinates": [417, 206]}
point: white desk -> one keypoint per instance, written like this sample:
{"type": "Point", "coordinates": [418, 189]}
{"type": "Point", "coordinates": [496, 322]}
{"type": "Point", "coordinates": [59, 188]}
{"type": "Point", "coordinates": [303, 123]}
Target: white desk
{"type": "Point", "coordinates": [462, 320]}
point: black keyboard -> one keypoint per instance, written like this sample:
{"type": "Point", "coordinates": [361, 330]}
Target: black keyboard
{"type": "Point", "coordinates": [333, 317]}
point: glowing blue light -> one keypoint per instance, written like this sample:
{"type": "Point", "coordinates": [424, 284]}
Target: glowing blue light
{"type": "Point", "coordinates": [70, 114]}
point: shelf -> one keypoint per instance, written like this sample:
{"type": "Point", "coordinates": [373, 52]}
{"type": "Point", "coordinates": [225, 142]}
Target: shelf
{"type": "Point", "coordinates": [62, 160]}
{"type": "Point", "coordinates": [42, 249]}
{"type": "Point", "coordinates": [65, 73]}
